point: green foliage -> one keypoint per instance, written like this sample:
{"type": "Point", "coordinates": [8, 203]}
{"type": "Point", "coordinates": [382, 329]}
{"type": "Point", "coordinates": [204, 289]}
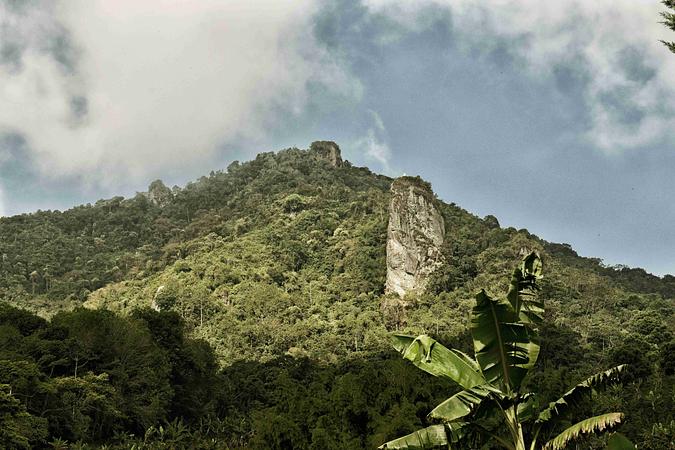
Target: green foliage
{"type": "Point", "coordinates": [492, 406]}
{"type": "Point", "coordinates": [18, 429]}
{"type": "Point", "coordinates": [432, 357]}
{"type": "Point", "coordinates": [83, 407]}
{"type": "Point", "coordinates": [574, 396]}
{"type": "Point", "coordinates": [193, 377]}
{"type": "Point", "coordinates": [269, 278]}
{"type": "Point", "coordinates": [294, 203]}
{"type": "Point", "coordinates": [429, 437]}
{"type": "Point", "coordinates": [124, 349]}
{"type": "Point", "coordinates": [598, 424]}
{"type": "Point", "coordinates": [89, 374]}
{"type": "Point", "coordinates": [619, 442]}
{"type": "Point", "coordinates": [501, 343]}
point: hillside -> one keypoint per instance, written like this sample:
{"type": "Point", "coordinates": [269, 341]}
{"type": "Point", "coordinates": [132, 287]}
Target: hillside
{"type": "Point", "coordinates": [279, 264]}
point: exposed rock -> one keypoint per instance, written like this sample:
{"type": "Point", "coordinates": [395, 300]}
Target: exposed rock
{"type": "Point", "coordinates": [327, 150]}
{"type": "Point", "coordinates": [154, 305]}
{"type": "Point", "coordinates": [414, 236]}
{"type": "Point", "coordinates": [159, 194]}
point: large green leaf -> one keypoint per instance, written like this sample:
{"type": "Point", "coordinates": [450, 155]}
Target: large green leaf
{"type": "Point", "coordinates": [527, 407]}
{"type": "Point", "coordinates": [426, 438]}
{"type": "Point", "coordinates": [432, 357]}
{"type": "Point", "coordinates": [597, 424]}
{"type": "Point", "coordinates": [504, 347]}
{"type": "Point", "coordinates": [619, 442]}
{"type": "Point", "coordinates": [461, 404]}
{"type": "Point", "coordinates": [522, 294]}
{"type": "Point", "coordinates": [456, 431]}
{"type": "Point", "coordinates": [572, 397]}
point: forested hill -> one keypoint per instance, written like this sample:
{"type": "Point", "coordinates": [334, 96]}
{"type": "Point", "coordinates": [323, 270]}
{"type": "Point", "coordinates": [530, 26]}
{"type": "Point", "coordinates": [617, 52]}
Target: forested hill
{"type": "Point", "coordinates": [279, 265]}
{"type": "Point", "coordinates": [55, 257]}
{"type": "Point", "coordinates": [66, 255]}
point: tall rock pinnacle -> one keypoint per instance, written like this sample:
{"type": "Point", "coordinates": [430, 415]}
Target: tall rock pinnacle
{"type": "Point", "coordinates": [414, 236]}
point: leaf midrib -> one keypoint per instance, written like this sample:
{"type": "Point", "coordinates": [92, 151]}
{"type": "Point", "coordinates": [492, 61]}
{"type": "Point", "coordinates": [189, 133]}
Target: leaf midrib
{"type": "Point", "coordinates": [500, 345]}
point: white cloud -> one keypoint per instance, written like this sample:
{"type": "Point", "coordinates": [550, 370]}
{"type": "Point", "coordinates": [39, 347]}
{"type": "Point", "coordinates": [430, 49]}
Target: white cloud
{"type": "Point", "coordinates": [373, 144]}
{"type": "Point", "coordinates": [593, 36]}
{"type": "Point", "coordinates": [165, 82]}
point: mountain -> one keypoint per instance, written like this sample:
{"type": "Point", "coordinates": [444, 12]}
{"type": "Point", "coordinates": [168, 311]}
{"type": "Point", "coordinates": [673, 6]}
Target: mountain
{"type": "Point", "coordinates": [294, 268]}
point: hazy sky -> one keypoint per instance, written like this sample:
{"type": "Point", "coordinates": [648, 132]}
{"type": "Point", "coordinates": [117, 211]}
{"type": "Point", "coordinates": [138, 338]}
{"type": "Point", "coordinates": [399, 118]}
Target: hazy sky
{"type": "Point", "coordinates": [558, 116]}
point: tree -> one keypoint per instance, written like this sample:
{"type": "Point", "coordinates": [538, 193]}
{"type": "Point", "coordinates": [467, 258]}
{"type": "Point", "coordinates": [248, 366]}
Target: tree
{"type": "Point", "coordinates": [83, 407]}
{"type": "Point", "coordinates": [493, 407]}
{"type": "Point", "coordinates": [193, 365]}
{"type": "Point", "coordinates": [138, 369]}
{"type": "Point", "coordinates": [18, 429]}
{"type": "Point", "coordinates": [669, 21]}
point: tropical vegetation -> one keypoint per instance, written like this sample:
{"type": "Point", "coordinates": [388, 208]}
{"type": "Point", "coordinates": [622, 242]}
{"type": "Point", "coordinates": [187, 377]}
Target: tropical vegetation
{"type": "Point", "coordinates": [247, 310]}
{"type": "Point", "coordinates": [492, 405]}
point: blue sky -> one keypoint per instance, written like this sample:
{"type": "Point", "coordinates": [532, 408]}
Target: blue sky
{"type": "Point", "coordinates": [558, 117]}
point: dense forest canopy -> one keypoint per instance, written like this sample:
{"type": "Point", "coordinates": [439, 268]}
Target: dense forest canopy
{"type": "Point", "coordinates": [247, 310]}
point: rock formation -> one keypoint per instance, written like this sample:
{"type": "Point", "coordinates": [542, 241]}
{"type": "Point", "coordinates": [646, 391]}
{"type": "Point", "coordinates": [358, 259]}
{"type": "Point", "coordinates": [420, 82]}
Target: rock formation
{"type": "Point", "coordinates": [414, 236]}
{"type": "Point", "coordinates": [159, 194]}
{"type": "Point", "coordinates": [327, 150]}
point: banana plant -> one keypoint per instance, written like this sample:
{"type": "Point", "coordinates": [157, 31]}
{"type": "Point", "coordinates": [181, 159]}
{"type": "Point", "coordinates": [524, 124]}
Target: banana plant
{"type": "Point", "coordinates": [492, 407]}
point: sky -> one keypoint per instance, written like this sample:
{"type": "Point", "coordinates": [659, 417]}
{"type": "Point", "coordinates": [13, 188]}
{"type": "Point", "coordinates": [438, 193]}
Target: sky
{"type": "Point", "coordinates": [558, 117]}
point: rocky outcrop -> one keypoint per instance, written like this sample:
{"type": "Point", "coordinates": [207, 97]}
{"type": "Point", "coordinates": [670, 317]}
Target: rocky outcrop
{"type": "Point", "coordinates": [328, 151]}
{"type": "Point", "coordinates": [414, 236]}
{"type": "Point", "coordinates": [159, 194]}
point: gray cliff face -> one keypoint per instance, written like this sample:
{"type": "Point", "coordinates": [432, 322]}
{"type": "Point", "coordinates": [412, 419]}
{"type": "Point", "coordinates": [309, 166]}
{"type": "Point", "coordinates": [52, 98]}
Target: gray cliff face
{"type": "Point", "coordinates": [414, 236]}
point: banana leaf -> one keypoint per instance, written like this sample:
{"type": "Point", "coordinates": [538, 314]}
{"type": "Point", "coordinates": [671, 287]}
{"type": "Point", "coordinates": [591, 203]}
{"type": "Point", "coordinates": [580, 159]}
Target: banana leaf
{"type": "Point", "coordinates": [526, 409]}
{"type": "Point", "coordinates": [523, 289]}
{"type": "Point", "coordinates": [432, 357]}
{"type": "Point", "coordinates": [618, 441]}
{"type": "Point", "coordinates": [426, 438]}
{"type": "Point", "coordinates": [597, 424]}
{"type": "Point", "coordinates": [504, 347]}
{"type": "Point", "coordinates": [461, 404]}
{"type": "Point", "coordinates": [572, 397]}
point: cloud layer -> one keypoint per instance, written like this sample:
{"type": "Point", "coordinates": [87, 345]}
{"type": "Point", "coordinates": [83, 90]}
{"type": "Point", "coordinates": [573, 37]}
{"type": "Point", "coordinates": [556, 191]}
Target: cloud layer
{"type": "Point", "coordinates": [610, 47]}
{"type": "Point", "coordinates": [108, 90]}
{"type": "Point", "coordinates": [102, 91]}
